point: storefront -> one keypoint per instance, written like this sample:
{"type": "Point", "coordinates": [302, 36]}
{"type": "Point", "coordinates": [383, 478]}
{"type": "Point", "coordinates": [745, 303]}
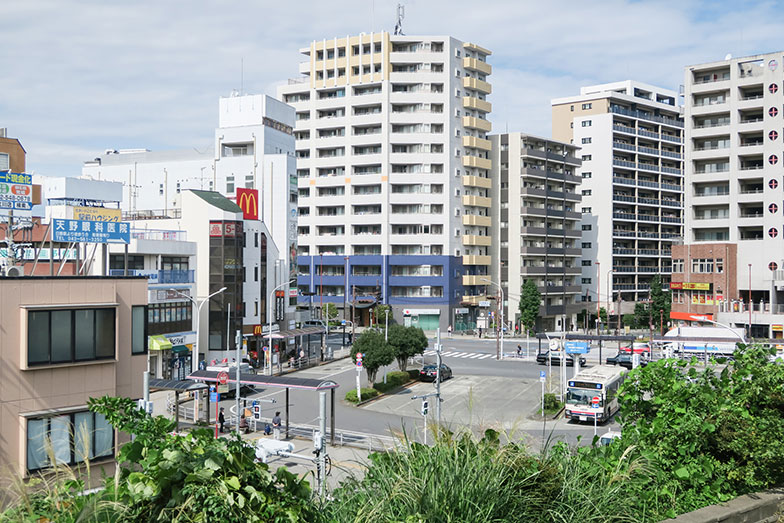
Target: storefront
{"type": "Point", "coordinates": [170, 355]}
{"type": "Point", "coordinates": [425, 319]}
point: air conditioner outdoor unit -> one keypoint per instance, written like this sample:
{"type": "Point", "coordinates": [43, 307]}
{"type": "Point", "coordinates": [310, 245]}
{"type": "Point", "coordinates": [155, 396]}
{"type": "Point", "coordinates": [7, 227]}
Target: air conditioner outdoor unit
{"type": "Point", "coordinates": [14, 271]}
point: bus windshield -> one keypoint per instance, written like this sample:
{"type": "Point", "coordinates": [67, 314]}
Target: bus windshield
{"type": "Point", "coordinates": [581, 396]}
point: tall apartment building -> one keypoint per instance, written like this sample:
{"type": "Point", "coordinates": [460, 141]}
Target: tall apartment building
{"type": "Point", "coordinates": [393, 169]}
{"type": "Point", "coordinates": [734, 133]}
{"type": "Point", "coordinates": [631, 139]}
{"type": "Point", "coordinates": [536, 225]}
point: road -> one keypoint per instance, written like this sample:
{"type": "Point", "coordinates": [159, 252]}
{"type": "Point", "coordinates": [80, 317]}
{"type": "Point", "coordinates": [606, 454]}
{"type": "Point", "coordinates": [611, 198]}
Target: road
{"type": "Point", "coordinates": [485, 393]}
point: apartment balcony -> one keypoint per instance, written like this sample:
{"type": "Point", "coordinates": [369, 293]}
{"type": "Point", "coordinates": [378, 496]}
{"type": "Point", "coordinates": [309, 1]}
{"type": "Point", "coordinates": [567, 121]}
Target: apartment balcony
{"type": "Point", "coordinates": [473, 300]}
{"type": "Point", "coordinates": [469, 279]}
{"type": "Point", "coordinates": [477, 201]}
{"type": "Point", "coordinates": [539, 269]}
{"type": "Point", "coordinates": [477, 181]}
{"type": "Point", "coordinates": [477, 123]}
{"type": "Point", "coordinates": [477, 143]}
{"type": "Point", "coordinates": [473, 259]}
{"type": "Point", "coordinates": [559, 289]}
{"type": "Point", "coordinates": [549, 231]}
{"type": "Point", "coordinates": [646, 116]}
{"type": "Point", "coordinates": [477, 65]}
{"type": "Point", "coordinates": [550, 251]}
{"type": "Point", "coordinates": [477, 85]}
{"type": "Point", "coordinates": [473, 239]}
{"type": "Point", "coordinates": [472, 102]}
{"type": "Point", "coordinates": [479, 221]}
{"type": "Point", "coordinates": [477, 162]}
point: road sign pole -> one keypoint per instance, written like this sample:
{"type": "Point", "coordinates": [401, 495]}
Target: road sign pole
{"type": "Point", "coordinates": [216, 410]}
{"type": "Point", "coordinates": [544, 418]}
{"type": "Point", "coordinates": [595, 401]}
{"type": "Point", "coordinates": [438, 378]}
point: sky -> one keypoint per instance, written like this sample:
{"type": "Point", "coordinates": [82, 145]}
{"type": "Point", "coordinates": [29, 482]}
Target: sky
{"type": "Point", "coordinates": [81, 76]}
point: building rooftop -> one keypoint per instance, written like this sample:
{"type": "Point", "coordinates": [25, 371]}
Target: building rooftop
{"type": "Point", "coordinates": [217, 200]}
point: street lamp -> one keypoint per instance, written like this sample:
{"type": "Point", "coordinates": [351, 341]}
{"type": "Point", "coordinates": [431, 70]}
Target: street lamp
{"type": "Point", "coordinates": [598, 295]}
{"type": "Point", "coordinates": [750, 304]}
{"type": "Point", "coordinates": [269, 322]}
{"type": "Point", "coordinates": [198, 304]}
{"type": "Point", "coordinates": [609, 299]}
{"type": "Point", "coordinates": [499, 351]}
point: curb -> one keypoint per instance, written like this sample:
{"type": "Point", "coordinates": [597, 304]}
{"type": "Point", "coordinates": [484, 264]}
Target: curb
{"type": "Point", "coordinates": [382, 394]}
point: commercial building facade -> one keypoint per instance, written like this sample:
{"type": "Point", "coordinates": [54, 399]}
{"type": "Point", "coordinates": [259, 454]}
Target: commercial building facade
{"type": "Point", "coordinates": [734, 133]}
{"type": "Point", "coordinates": [536, 225]}
{"type": "Point", "coordinates": [393, 174]}
{"type": "Point", "coordinates": [631, 139]}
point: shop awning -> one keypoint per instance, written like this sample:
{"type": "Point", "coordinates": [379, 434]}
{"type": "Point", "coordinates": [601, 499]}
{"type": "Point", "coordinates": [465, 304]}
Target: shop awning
{"type": "Point", "coordinates": [180, 349]}
{"type": "Point", "coordinates": [158, 343]}
{"type": "Point", "coordinates": [258, 380]}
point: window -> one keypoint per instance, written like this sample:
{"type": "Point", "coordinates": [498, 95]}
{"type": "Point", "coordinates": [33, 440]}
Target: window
{"type": "Point", "coordinates": [587, 106]}
{"type": "Point", "coordinates": [677, 265]}
{"type": "Point", "coordinates": [586, 140]}
{"type": "Point", "coordinates": [586, 192]}
{"type": "Point", "coordinates": [4, 162]}
{"type": "Point", "coordinates": [69, 336]}
{"type": "Point", "coordinates": [586, 123]}
{"type": "Point", "coordinates": [73, 437]}
{"type": "Point", "coordinates": [587, 158]}
{"type": "Point", "coordinates": [586, 281]}
{"type": "Point", "coordinates": [587, 174]}
{"type": "Point", "coordinates": [702, 265]}
{"type": "Point", "coordinates": [585, 210]}
{"type": "Point", "coordinates": [138, 329]}
{"type": "Point", "coordinates": [571, 108]}
{"type": "Point", "coordinates": [135, 262]}
{"type": "Point", "coordinates": [586, 245]}
{"type": "Point", "coordinates": [719, 265]}
{"type": "Point", "coordinates": [586, 263]}
{"type": "Point", "coordinates": [587, 227]}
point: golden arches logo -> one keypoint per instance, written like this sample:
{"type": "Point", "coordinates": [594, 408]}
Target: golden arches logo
{"type": "Point", "coordinates": [248, 201]}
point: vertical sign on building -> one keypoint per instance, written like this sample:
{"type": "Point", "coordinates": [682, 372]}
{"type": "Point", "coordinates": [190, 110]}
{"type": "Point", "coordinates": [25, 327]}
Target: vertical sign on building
{"type": "Point", "coordinates": [16, 194]}
{"type": "Point", "coordinates": [248, 201]}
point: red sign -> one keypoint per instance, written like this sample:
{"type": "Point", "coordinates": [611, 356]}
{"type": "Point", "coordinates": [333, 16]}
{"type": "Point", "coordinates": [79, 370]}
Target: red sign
{"type": "Point", "coordinates": [248, 200]}
{"type": "Point", "coordinates": [280, 294]}
{"type": "Point", "coordinates": [676, 285]}
{"type": "Point", "coordinates": [216, 229]}
{"type": "Point", "coordinates": [596, 400]}
{"type": "Point", "coordinates": [223, 377]}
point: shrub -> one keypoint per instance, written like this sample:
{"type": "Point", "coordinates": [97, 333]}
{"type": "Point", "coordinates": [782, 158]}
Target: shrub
{"type": "Point", "coordinates": [394, 380]}
{"type": "Point", "coordinates": [413, 374]}
{"type": "Point", "coordinates": [351, 395]}
{"type": "Point", "coordinates": [551, 403]}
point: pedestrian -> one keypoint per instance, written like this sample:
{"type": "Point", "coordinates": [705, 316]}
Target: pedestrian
{"type": "Point", "coordinates": [519, 351]}
{"type": "Point", "coordinates": [449, 331]}
{"type": "Point", "coordinates": [276, 425]}
{"type": "Point", "coordinates": [221, 419]}
{"type": "Point", "coordinates": [480, 332]}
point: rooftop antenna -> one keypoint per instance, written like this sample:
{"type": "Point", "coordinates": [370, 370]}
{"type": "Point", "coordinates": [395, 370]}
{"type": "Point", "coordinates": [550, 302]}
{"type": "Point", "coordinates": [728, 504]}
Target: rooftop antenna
{"type": "Point", "coordinates": [401, 13]}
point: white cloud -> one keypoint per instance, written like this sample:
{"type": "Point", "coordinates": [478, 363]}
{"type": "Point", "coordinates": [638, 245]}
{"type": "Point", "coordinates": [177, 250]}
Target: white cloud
{"type": "Point", "coordinates": [82, 76]}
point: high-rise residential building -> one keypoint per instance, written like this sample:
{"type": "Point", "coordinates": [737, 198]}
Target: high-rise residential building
{"type": "Point", "coordinates": [631, 140]}
{"type": "Point", "coordinates": [393, 169]}
{"type": "Point", "coordinates": [734, 132]}
{"type": "Point", "coordinates": [250, 162]}
{"type": "Point", "coordinates": [536, 225]}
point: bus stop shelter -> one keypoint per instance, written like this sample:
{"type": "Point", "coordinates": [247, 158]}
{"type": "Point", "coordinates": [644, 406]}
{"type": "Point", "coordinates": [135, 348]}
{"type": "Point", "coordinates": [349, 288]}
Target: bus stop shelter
{"type": "Point", "coordinates": [180, 386]}
{"type": "Point", "coordinates": [280, 382]}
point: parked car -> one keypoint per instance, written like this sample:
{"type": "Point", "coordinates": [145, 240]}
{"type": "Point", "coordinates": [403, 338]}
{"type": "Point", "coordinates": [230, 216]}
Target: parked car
{"type": "Point", "coordinates": [624, 359]}
{"type": "Point", "coordinates": [428, 373]}
{"type": "Point", "coordinates": [543, 357]}
{"type": "Point", "coordinates": [609, 436]}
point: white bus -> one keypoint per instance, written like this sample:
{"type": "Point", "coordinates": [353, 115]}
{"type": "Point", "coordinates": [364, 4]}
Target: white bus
{"type": "Point", "coordinates": [698, 348]}
{"type": "Point", "coordinates": [601, 381]}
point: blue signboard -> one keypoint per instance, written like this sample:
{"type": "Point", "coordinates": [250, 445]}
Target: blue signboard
{"type": "Point", "coordinates": [91, 231]}
{"type": "Point", "coordinates": [213, 397]}
{"type": "Point", "coordinates": [577, 347]}
{"type": "Point", "coordinates": [16, 193]}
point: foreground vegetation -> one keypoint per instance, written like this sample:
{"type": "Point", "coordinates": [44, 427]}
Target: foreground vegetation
{"type": "Point", "coordinates": [691, 438]}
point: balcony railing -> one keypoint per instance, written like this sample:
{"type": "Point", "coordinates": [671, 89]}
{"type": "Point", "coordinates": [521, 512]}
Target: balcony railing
{"type": "Point", "coordinates": [158, 234]}
{"type": "Point", "coordinates": [645, 116]}
{"type": "Point", "coordinates": [158, 277]}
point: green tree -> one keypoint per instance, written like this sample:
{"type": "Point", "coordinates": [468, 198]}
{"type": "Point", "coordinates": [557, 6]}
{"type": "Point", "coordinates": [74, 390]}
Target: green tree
{"type": "Point", "coordinates": [381, 313]}
{"type": "Point", "coordinates": [530, 301]}
{"type": "Point", "coordinates": [629, 320]}
{"type": "Point", "coordinates": [661, 302]}
{"type": "Point", "coordinates": [642, 315]}
{"type": "Point", "coordinates": [376, 352]}
{"type": "Point", "coordinates": [330, 313]}
{"type": "Point", "coordinates": [603, 316]}
{"type": "Point", "coordinates": [406, 342]}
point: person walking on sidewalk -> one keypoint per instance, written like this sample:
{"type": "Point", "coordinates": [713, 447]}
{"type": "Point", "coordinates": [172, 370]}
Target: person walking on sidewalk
{"type": "Point", "coordinates": [276, 426]}
{"type": "Point", "coordinates": [221, 419]}
{"type": "Point", "coordinates": [449, 331]}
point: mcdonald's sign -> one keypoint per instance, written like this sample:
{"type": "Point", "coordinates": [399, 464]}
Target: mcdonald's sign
{"type": "Point", "coordinates": [248, 200]}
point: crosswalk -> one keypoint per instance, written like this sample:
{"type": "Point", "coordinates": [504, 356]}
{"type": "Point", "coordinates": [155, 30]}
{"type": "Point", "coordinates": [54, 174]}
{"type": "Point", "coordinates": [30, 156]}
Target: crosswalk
{"type": "Point", "coordinates": [463, 355]}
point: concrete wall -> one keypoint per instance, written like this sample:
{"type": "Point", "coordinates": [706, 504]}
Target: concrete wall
{"type": "Point", "coordinates": [761, 507]}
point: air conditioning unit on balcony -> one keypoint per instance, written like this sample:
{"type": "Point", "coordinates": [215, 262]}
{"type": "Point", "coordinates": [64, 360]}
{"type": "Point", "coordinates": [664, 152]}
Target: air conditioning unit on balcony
{"type": "Point", "coordinates": [13, 271]}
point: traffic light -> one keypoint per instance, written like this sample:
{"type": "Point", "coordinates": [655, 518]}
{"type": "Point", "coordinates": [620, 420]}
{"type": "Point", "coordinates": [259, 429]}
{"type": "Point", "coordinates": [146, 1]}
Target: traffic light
{"type": "Point", "coordinates": [424, 407]}
{"type": "Point", "coordinates": [257, 412]}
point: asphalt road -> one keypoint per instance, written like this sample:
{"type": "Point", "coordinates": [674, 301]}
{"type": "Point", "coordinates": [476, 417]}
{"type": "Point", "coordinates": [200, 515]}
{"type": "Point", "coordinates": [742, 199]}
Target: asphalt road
{"type": "Point", "coordinates": [484, 393]}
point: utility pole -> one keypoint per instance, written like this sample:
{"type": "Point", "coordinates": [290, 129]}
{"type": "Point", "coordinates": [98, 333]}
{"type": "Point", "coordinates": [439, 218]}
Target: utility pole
{"type": "Point", "coordinates": [598, 296]}
{"type": "Point", "coordinates": [497, 339]}
{"type": "Point", "coordinates": [438, 377]}
{"type": "Point", "coordinates": [238, 359]}
{"type": "Point", "coordinates": [345, 297]}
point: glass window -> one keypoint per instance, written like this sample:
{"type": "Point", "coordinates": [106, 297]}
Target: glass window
{"type": "Point", "coordinates": [69, 438]}
{"type": "Point", "coordinates": [138, 330]}
{"type": "Point", "coordinates": [85, 339]}
{"type": "Point", "coordinates": [104, 333]}
{"type": "Point", "coordinates": [104, 437]}
{"type": "Point", "coordinates": [83, 432]}
{"type": "Point", "coordinates": [62, 340]}
{"type": "Point", "coordinates": [60, 438]}
{"type": "Point", "coordinates": [38, 337]}
{"type": "Point", "coordinates": [36, 451]}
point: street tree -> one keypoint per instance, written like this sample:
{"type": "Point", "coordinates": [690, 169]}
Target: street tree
{"type": "Point", "coordinates": [330, 312]}
{"type": "Point", "coordinates": [381, 313]}
{"type": "Point", "coordinates": [642, 315]}
{"type": "Point", "coordinates": [661, 301]}
{"type": "Point", "coordinates": [530, 300]}
{"type": "Point", "coordinates": [603, 316]}
{"type": "Point", "coordinates": [406, 342]}
{"type": "Point", "coordinates": [376, 352]}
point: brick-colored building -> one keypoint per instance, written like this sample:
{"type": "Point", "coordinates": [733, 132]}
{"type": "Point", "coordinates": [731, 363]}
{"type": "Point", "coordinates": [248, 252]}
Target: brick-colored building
{"type": "Point", "coordinates": [703, 276]}
{"type": "Point", "coordinates": [12, 154]}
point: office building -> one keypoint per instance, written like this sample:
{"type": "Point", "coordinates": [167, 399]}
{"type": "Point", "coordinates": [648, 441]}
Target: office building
{"type": "Point", "coordinates": [734, 132]}
{"type": "Point", "coordinates": [536, 225]}
{"type": "Point", "coordinates": [631, 140]}
{"type": "Point", "coordinates": [64, 340]}
{"type": "Point", "coordinates": [393, 170]}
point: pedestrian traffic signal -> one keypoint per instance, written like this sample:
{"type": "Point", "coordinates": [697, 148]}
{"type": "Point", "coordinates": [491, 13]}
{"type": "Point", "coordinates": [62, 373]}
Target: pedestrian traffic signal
{"type": "Point", "coordinates": [424, 407]}
{"type": "Point", "coordinates": [257, 412]}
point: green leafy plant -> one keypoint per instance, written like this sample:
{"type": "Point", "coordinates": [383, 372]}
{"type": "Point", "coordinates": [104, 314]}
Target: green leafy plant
{"type": "Point", "coordinates": [530, 301]}
{"type": "Point", "coordinates": [393, 380]}
{"type": "Point", "coordinates": [367, 393]}
{"type": "Point", "coordinates": [375, 350]}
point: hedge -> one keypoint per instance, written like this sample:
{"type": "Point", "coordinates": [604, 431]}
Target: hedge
{"type": "Point", "coordinates": [394, 380]}
{"type": "Point", "coordinates": [366, 395]}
